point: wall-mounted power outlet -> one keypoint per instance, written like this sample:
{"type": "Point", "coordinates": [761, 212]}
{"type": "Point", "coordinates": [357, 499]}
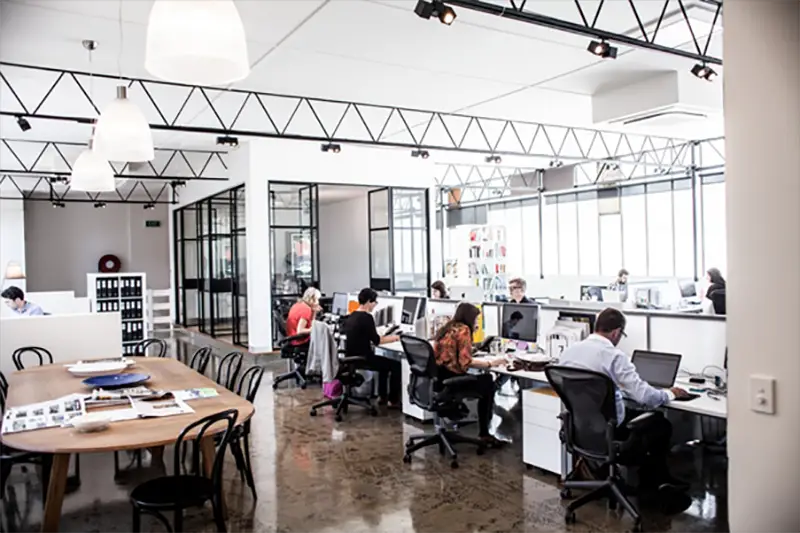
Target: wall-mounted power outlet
{"type": "Point", "coordinates": [762, 394]}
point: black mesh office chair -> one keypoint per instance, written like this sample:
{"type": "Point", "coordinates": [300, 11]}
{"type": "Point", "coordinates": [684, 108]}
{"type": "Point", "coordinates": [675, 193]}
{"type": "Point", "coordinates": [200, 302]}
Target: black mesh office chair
{"type": "Point", "coordinates": [588, 428]}
{"type": "Point", "coordinates": [718, 298]}
{"type": "Point", "coordinates": [441, 397]}
{"type": "Point", "coordinates": [298, 353]}
{"type": "Point", "coordinates": [150, 348]}
{"type": "Point", "coordinates": [350, 378]}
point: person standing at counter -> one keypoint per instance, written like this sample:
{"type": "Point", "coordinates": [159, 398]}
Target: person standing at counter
{"type": "Point", "coordinates": [15, 300]}
{"type": "Point", "coordinates": [453, 352]}
{"type": "Point", "coordinates": [621, 285]}
{"type": "Point", "coordinates": [362, 335]}
{"type": "Point", "coordinates": [516, 289]}
{"type": "Point", "coordinates": [439, 291]}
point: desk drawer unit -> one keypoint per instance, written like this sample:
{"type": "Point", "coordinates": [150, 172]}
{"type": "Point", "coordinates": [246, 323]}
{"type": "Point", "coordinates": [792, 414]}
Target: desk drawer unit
{"type": "Point", "coordinates": [541, 444]}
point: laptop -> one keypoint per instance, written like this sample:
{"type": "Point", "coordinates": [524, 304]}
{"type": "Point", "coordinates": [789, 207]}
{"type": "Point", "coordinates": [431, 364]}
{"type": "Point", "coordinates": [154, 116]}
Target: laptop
{"type": "Point", "coordinates": [657, 368]}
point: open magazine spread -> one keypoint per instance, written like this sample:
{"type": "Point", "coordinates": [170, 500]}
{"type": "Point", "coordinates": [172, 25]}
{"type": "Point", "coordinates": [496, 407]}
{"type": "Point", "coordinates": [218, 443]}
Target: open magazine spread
{"type": "Point", "coordinates": [50, 414]}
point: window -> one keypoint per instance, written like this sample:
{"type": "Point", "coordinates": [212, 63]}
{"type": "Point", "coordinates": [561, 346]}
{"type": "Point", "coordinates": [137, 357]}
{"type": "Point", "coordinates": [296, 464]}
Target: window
{"type": "Point", "coordinates": [550, 242]}
{"type": "Point", "coordinates": [714, 245]}
{"type": "Point", "coordinates": [567, 235]}
{"type": "Point", "coordinates": [588, 234]}
{"type": "Point", "coordinates": [610, 244]}
{"type": "Point", "coordinates": [634, 231]}
{"type": "Point", "coordinates": [660, 253]}
{"type": "Point", "coordinates": [530, 241]}
{"type": "Point", "coordinates": [514, 241]}
{"type": "Point", "coordinates": [684, 229]}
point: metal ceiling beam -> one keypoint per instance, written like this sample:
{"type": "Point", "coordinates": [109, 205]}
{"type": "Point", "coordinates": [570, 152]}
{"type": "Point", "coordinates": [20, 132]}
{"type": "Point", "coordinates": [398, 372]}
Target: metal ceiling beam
{"type": "Point", "coordinates": [47, 185]}
{"type": "Point", "coordinates": [515, 10]}
{"type": "Point", "coordinates": [336, 121]}
{"type": "Point", "coordinates": [24, 158]}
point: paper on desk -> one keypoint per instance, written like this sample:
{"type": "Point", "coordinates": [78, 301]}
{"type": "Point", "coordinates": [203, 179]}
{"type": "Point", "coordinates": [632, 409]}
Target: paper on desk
{"type": "Point", "coordinates": [43, 415]}
{"type": "Point", "coordinates": [195, 394]}
{"type": "Point", "coordinates": [158, 408]}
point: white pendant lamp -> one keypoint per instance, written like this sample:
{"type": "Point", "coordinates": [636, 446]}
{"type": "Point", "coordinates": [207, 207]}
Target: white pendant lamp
{"type": "Point", "coordinates": [197, 42]}
{"type": "Point", "coordinates": [92, 173]}
{"type": "Point", "coordinates": [122, 133]}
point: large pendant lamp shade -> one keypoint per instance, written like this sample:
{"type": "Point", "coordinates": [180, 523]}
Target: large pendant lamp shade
{"type": "Point", "coordinates": [122, 133]}
{"type": "Point", "coordinates": [197, 42]}
{"type": "Point", "coordinates": [92, 173]}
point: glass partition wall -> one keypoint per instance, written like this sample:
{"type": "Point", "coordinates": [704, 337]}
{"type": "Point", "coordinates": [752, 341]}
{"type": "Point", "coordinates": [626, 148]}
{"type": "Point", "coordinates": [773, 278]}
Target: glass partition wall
{"type": "Point", "coordinates": [210, 266]}
{"type": "Point", "coordinates": [294, 246]}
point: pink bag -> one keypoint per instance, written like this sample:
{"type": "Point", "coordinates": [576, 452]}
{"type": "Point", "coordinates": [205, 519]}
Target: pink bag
{"type": "Point", "coordinates": [332, 389]}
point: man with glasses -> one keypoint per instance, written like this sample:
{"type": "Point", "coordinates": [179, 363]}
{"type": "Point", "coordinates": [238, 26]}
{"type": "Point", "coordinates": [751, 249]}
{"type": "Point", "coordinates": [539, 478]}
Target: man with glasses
{"type": "Point", "coordinates": [516, 288]}
{"type": "Point", "coordinates": [599, 353]}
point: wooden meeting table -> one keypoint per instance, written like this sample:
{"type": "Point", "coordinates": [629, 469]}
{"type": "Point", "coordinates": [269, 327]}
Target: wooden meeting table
{"type": "Point", "coordinates": [49, 382]}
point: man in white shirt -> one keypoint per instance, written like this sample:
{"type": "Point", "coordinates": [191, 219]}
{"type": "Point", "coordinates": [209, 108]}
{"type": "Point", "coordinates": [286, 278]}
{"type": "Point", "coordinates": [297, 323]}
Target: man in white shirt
{"type": "Point", "coordinates": [599, 353]}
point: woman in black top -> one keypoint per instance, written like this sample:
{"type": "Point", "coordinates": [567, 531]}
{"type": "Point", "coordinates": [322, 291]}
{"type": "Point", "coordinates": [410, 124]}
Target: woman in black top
{"type": "Point", "coordinates": [439, 291]}
{"type": "Point", "coordinates": [715, 280]}
{"type": "Point", "coordinates": [359, 326]}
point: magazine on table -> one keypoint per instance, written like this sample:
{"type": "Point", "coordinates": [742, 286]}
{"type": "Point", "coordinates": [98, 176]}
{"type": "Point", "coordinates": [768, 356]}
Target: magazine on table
{"type": "Point", "coordinates": [43, 415]}
{"type": "Point", "coordinates": [195, 394]}
{"type": "Point", "coordinates": [167, 405]}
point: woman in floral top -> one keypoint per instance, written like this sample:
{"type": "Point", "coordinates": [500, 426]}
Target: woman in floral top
{"type": "Point", "coordinates": [453, 352]}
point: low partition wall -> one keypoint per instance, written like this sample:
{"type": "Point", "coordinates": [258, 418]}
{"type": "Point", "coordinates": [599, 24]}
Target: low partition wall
{"type": "Point", "coordinates": [67, 337]}
{"type": "Point", "coordinates": [53, 303]}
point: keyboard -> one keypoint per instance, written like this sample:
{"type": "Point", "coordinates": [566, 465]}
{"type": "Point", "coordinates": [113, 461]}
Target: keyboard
{"type": "Point", "coordinates": [688, 398]}
{"type": "Point", "coordinates": [392, 329]}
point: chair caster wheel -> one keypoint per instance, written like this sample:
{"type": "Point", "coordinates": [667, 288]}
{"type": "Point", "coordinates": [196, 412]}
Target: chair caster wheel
{"type": "Point", "coordinates": [612, 505]}
{"type": "Point", "coordinates": [338, 418]}
{"type": "Point", "coordinates": [373, 412]}
{"type": "Point", "coordinates": [409, 444]}
{"type": "Point", "coordinates": [569, 518]}
{"type": "Point", "coordinates": [407, 459]}
{"type": "Point", "coordinates": [454, 464]}
{"type": "Point", "coordinates": [274, 386]}
{"type": "Point", "coordinates": [637, 527]}
{"type": "Point", "coordinates": [481, 450]}
{"type": "Point", "coordinates": [565, 494]}
{"type": "Point", "coordinates": [313, 412]}
{"type": "Point", "coordinates": [303, 386]}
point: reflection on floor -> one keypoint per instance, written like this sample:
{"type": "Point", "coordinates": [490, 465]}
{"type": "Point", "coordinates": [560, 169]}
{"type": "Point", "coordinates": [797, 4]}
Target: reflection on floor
{"type": "Point", "coordinates": [313, 474]}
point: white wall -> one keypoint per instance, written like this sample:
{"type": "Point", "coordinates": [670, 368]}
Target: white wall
{"type": "Point", "coordinates": [762, 135]}
{"type": "Point", "coordinates": [12, 238]}
{"type": "Point", "coordinates": [344, 245]}
{"type": "Point", "coordinates": [63, 245]}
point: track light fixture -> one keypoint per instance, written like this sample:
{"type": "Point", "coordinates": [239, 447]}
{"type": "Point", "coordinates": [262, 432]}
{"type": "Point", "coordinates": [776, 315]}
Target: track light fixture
{"type": "Point", "coordinates": [424, 154]}
{"type": "Point", "coordinates": [227, 140]}
{"type": "Point", "coordinates": [331, 147]}
{"type": "Point", "coordinates": [494, 159]}
{"type": "Point", "coordinates": [704, 72]}
{"type": "Point", "coordinates": [99, 205]}
{"type": "Point", "coordinates": [436, 8]}
{"type": "Point", "coordinates": [555, 163]}
{"type": "Point", "coordinates": [57, 204]}
{"type": "Point", "coordinates": [23, 123]}
{"type": "Point", "coordinates": [603, 49]}
{"type": "Point", "coordinates": [149, 207]}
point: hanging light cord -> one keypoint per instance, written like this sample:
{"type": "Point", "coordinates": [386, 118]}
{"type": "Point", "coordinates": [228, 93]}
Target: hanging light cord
{"type": "Point", "coordinates": [121, 41]}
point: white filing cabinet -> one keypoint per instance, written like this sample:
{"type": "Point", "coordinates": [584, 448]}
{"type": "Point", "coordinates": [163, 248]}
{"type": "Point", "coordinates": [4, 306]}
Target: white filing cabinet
{"type": "Point", "coordinates": [541, 445]}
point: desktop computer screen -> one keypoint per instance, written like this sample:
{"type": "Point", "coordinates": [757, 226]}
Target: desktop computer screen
{"type": "Point", "coordinates": [339, 304]}
{"type": "Point", "coordinates": [520, 322]}
{"type": "Point", "coordinates": [411, 306]}
{"type": "Point", "coordinates": [688, 289]}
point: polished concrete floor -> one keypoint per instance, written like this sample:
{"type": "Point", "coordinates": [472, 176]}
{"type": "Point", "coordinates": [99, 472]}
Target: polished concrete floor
{"type": "Point", "coordinates": [314, 474]}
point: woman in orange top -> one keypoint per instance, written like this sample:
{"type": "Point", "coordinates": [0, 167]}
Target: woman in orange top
{"type": "Point", "coordinates": [453, 353]}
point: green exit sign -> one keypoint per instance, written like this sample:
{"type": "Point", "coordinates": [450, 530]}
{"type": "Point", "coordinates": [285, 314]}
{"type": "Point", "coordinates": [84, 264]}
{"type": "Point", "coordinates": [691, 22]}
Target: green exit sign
{"type": "Point", "coordinates": [152, 223]}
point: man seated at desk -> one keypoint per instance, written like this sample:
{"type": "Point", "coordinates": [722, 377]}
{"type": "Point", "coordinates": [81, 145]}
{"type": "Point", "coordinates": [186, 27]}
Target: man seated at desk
{"type": "Point", "coordinates": [15, 300]}
{"type": "Point", "coordinates": [516, 289]}
{"type": "Point", "coordinates": [359, 327]}
{"type": "Point", "coordinates": [599, 353]}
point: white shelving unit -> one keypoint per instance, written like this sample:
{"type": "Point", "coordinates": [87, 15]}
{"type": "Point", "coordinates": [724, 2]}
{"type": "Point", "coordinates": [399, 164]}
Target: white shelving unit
{"type": "Point", "coordinates": [125, 293]}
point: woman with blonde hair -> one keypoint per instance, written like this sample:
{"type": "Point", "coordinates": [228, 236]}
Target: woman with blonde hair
{"type": "Point", "coordinates": [302, 314]}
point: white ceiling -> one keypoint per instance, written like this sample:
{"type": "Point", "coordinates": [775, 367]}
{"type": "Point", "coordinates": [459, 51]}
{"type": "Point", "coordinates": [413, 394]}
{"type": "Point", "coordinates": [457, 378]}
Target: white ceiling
{"type": "Point", "coordinates": [368, 51]}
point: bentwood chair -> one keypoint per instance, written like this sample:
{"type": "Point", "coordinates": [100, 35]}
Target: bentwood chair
{"type": "Point", "coordinates": [186, 490]}
{"type": "Point", "coordinates": [43, 356]}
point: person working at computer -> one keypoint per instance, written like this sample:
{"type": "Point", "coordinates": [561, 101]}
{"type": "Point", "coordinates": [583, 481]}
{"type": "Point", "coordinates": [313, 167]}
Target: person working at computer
{"type": "Point", "coordinates": [302, 314]}
{"type": "Point", "coordinates": [516, 289]}
{"type": "Point", "coordinates": [453, 351]}
{"type": "Point", "coordinates": [716, 290]}
{"type": "Point", "coordinates": [362, 335]}
{"type": "Point", "coordinates": [15, 300]}
{"type": "Point", "coordinates": [599, 353]}
{"type": "Point", "coordinates": [621, 285]}
{"type": "Point", "coordinates": [439, 291]}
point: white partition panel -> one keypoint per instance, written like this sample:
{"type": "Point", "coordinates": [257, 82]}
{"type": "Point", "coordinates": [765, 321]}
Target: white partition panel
{"type": "Point", "coordinates": [53, 303]}
{"type": "Point", "coordinates": [701, 342]}
{"type": "Point", "coordinates": [67, 337]}
{"type": "Point", "coordinates": [636, 331]}
{"type": "Point", "coordinates": [491, 319]}
{"type": "Point", "coordinates": [547, 319]}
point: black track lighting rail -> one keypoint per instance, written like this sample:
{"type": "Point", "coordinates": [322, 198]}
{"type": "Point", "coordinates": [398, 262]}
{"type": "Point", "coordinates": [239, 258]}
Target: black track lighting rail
{"type": "Point", "coordinates": [587, 27]}
{"type": "Point", "coordinates": [257, 114]}
{"type": "Point", "coordinates": [48, 189]}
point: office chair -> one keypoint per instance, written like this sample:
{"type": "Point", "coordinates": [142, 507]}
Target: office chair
{"type": "Point", "coordinates": [44, 356]}
{"type": "Point", "coordinates": [184, 490]}
{"type": "Point", "coordinates": [298, 353]}
{"type": "Point", "coordinates": [350, 379]}
{"type": "Point", "coordinates": [588, 429]}
{"type": "Point", "coordinates": [717, 298]}
{"type": "Point", "coordinates": [159, 348]}
{"type": "Point", "coordinates": [441, 397]}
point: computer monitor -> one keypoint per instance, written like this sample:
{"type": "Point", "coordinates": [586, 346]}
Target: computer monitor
{"type": "Point", "coordinates": [466, 293]}
{"type": "Point", "coordinates": [410, 310]}
{"type": "Point", "coordinates": [591, 293]}
{"type": "Point", "coordinates": [656, 368]}
{"type": "Point", "coordinates": [520, 322]}
{"type": "Point", "coordinates": [575, 316]}
{"type": "Point", "coordinates": [688, 288]}
{"type": "Point", "coordinates": [339, 305]}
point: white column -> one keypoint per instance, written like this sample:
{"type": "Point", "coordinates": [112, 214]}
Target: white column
{"type": "Point", "coordinates": [762, 130]}
{"type": "Point", "coordinates": [12, 237]}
